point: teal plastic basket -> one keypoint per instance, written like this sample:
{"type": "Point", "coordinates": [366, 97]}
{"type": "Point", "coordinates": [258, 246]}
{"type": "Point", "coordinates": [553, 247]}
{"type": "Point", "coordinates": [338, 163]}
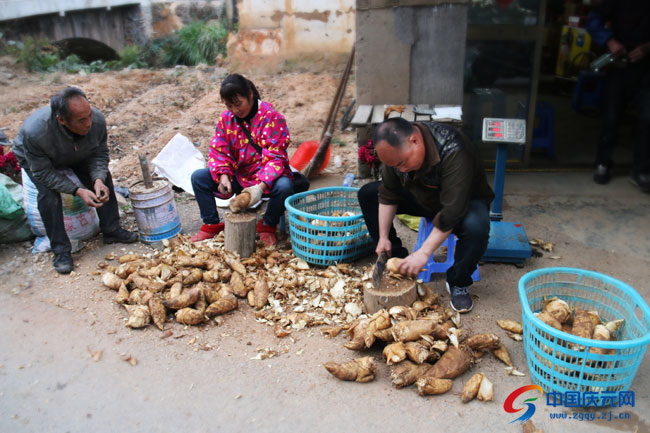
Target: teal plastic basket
{"type": "Point", "coordinates": [321, 239]}
{"type": "Point", "coordinates": [562, 362]}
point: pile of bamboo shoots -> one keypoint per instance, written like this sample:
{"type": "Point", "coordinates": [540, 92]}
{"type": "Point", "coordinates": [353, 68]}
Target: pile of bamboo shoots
{"type": "Point", "coordinates": [198, 282]}
{"type": "Point", "coordinates": [424, 346]}
{"type": "Point", "coordinates": [558, 314]}
{"type": "Point", "coordinates": [332, 233]}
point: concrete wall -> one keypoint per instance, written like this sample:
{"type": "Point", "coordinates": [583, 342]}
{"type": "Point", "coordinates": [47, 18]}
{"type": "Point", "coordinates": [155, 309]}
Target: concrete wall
{"type": "Point", "coordinates": [266, 27]}
{"type": "Point", "coordinates": [286, 27]}
{"type": "Point", "coordinates": [411, 55]}
{"type": "Point", "coordinates": [13, 9]}
{"type": "Point", "coordinates": [115, 28]}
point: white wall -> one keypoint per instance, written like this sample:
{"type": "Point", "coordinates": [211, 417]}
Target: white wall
{"type": "Point", "coordinates": [278, 27]}
{"type": "Point", "coordinates": [266, 27]}
{"type": "Point", "coordinates": [12, 9]}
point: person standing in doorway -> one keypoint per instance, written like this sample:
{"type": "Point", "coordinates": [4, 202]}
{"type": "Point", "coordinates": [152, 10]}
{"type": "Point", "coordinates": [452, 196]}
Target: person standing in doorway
{"type": "Point", "coordinates": [623, 26]}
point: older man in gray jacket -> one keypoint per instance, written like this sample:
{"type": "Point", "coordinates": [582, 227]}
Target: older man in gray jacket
{"type": "Point", "coordinates": [69, 134]}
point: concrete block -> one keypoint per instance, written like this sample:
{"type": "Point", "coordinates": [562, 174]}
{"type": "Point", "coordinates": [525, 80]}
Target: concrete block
{"type": "Point", "coordinates": [438, 55]}
{"type": "Point", "coordinates": [382, 60]}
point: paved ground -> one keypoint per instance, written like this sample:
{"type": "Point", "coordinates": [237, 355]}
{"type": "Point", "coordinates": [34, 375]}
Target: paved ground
{"type": "Point", "coordinates": [49, 324]}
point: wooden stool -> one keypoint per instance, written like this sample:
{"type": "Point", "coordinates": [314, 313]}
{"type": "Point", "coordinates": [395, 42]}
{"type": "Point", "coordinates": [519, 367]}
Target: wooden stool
{"type": "Point", "coordinates": [240, 233]}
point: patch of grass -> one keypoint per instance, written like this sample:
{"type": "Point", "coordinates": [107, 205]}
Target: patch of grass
{"type": "Point", "coordinates": [338, 142]}
{"type": "Point", "coordinates": [74, 65]}
{"type": "Point", "coordinates": [71, 64]}
{"type": "Point", "coordinates": [197, 42]}
{"type": "Point", "coordinates": [131, 57]}
{"type": "Point", "coordinates": [38, 55]}
{"type": "Point", "coordinates": [151, 53]}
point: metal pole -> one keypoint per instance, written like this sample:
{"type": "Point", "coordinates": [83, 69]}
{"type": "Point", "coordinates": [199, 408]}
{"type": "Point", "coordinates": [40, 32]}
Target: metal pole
{"type": "Point", "coordinates": [496, 213]}
{"type": "Point", "coordinates": [146, 172]}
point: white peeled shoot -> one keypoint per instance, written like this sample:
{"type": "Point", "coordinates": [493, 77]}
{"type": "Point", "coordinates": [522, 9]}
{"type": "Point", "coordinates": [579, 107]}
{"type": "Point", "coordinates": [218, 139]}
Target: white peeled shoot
{"type": "Point", "coordinates": [485, 390]}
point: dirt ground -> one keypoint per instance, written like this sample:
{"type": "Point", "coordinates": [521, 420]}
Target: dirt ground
{"type": "Point", "coordinates": [204, 379]}
{"type": "Point", "coordinates": [144, 109]}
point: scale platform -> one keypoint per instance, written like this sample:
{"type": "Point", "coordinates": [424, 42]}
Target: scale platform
{"type": "Point", "coordinates": [508, 241]}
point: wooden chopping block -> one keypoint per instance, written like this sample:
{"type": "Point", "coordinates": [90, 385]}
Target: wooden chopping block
{"type": "Point", "coordinates": [240, 233]}
{"type": "Point", "coordinates": [390, 293]}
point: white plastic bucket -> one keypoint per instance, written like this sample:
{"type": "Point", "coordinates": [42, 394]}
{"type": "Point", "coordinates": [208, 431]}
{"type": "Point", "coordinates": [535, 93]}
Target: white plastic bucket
{"type": "Point", "coordinates": [155, 211]}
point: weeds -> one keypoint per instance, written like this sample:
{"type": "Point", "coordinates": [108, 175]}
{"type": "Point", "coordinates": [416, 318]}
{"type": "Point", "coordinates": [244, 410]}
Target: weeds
{"type": "Point", "coordinates": [131, 57]}
{"type": "Point", "coordinates": [151, 53]}
{"type": "Point", "coordinates": [198, 42]}
{"type": "Point", "coordinates": [38, 55]}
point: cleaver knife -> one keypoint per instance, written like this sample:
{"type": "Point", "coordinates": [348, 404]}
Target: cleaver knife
{"type": "Point", "coordinates": [378, 270]}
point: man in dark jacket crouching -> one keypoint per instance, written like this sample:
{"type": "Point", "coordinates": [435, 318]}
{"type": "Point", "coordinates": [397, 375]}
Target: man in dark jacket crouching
{"type": "Point", "coordinates": [430, 170]}
{"type": "Point", "coordinates": [69, 134]}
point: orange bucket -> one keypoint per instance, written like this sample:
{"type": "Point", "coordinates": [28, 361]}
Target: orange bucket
{"type": "Point", "coordinates": [305, 153]}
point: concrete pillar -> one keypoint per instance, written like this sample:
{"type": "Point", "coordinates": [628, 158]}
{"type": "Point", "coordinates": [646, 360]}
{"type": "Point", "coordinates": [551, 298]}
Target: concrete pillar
{"type": "Point", "coordinates": [146, 12]}
{"type": "Point", "coordinates": [411, 54]}
{"type": "Point", "coordinates": [230, 13]}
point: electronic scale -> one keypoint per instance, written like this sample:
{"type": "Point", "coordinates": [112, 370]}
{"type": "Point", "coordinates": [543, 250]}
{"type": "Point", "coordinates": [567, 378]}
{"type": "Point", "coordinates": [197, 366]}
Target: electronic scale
{"type": "Point", "coordinates": [508, 241]}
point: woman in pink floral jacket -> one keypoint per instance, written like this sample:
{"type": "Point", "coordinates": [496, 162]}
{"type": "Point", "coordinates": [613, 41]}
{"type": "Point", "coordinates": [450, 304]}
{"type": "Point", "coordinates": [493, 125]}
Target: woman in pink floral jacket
{"type": "Point", "coordinates": [235, 164]}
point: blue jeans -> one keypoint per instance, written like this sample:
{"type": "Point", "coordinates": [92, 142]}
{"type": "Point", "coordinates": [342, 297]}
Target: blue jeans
{"type": "Point", "coordinates": [205, 187]}
{"type": "Point", "coordinates": [473, 231]}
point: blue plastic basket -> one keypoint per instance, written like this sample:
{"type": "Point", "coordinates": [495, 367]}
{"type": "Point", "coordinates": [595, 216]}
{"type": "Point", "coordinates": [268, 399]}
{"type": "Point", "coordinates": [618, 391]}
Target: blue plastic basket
{"type": "Point", "coordinates": [321, 239]}
{"type": "Point", "coordinates": [554, 363]}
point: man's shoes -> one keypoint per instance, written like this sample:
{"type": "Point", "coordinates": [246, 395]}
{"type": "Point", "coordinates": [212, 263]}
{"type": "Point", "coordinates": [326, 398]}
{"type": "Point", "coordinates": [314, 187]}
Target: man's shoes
{"type": "Point", "coordinates": [641, 180]}
{"type": "Point", "coordinates": [267, 233]}
{"type": "Point", "coordinates": [120, 236]}
{"type": "Point", "coordinates": [601, 175]}
{"type": "Point", "coordinates": [461, 300]}
{"type": "Point", "coordinates": [208, 231]}
{"type": "Point", "coordinates": [63, 263]}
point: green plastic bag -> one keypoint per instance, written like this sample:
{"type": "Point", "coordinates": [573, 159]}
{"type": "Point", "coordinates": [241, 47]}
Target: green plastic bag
{"type": "Point", "coordinates": [14, 226]}
{"type": "Point", "coordinates": [412, 222]}
{"type": "Point", "coordinates": [9, 208]}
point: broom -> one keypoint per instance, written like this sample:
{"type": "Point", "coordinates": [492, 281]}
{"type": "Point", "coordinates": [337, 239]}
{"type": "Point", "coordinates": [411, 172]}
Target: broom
{"type": "Point", "coordinates": [326, 136]}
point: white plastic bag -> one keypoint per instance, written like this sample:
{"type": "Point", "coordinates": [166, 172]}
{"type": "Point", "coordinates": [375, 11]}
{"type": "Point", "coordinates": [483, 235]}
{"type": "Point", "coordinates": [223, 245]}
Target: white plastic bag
{"type": "Point", "coordinates": [177, 161]}
{"type": "Point", "coordinates": [81, 222]}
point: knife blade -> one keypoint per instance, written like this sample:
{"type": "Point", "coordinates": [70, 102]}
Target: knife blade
{"type": "Point", "coordinates": [378, 269]}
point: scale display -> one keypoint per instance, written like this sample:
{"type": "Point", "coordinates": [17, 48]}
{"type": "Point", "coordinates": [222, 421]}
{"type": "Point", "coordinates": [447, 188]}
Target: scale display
{"type": "Point", "coordinates": [504, 130]}
{"type": "Point", "coordinates": [508, 241]}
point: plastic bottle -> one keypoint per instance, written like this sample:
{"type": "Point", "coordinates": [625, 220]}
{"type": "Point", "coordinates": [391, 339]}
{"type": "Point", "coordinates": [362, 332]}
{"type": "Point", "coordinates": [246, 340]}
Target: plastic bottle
{"type": "Point", "coordinates": [348, 179]}
{"type": "Point", "coordinates": [337, 161]}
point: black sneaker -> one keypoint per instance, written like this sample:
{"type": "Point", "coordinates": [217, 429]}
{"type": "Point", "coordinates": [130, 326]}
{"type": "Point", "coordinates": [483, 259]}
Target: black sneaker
{"type": "Point", "coordinates": [63, 263]}
{"type": "Point", "coordinates": [461, 300]}
{"type": "Point", "coordinates": [120, 236]}
{"type": "Point", "coordinates": [641, 180]}
{"type": "Point", "coordinates": [601, 175]}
